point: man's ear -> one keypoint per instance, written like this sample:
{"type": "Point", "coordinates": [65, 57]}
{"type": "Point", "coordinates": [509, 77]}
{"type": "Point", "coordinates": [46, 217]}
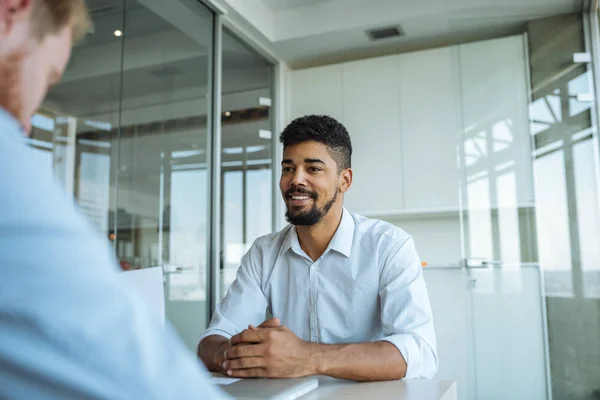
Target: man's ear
{"type": "Point", "coordinates": [11, 11]}
{"type": "Point", "coordinates": [345, 180]}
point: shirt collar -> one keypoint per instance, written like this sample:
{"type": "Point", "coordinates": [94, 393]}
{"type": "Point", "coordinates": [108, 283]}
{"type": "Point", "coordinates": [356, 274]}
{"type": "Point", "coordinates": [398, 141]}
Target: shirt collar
{"type": "Point", "coordinates": [341, 241]}
{"type": "Point", "coordinates": [291, 242]}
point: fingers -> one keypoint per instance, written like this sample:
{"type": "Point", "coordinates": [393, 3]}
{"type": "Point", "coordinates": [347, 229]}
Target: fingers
{"type": "Point", "coordinates": [246, 350]}
{"type": "Point", "coordinates": [270, 323]}
{"type": "Point", "coordinates": [244, 363]}
{"type": "Point", "coordinates": [220, 355]}
{"type": "Point", "coordinates": [248, 373]}
{"type": "Point", "coordinates": [248, 336]}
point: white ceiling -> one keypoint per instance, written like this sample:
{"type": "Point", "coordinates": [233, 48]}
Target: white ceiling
{"type": "Point", "coordinates": [313, 32]}
{"type": "Point", "coordinates": [282, 5]}
{"type": "Point", "coordinates": [163, 52]}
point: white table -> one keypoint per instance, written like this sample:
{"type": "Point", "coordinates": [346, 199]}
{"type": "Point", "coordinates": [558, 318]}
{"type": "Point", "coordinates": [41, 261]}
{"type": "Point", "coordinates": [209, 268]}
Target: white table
{"type": "Point", "coordinates": [411, 389]}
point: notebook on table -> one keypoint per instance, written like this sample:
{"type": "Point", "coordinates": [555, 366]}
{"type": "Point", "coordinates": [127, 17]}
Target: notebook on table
{"type": "Point", "coordinates": [270, 389]}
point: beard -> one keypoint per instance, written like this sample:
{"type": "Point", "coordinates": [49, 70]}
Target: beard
{"type": "Point", "coordinates": [10, 93]}
{"type": "Point", "coordinates": [312, 216]}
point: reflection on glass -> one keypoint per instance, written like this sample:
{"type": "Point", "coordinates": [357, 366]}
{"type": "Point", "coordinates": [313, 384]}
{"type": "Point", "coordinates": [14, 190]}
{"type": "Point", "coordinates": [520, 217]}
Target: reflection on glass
{"type": "Point", "coordinates": [475, 148]}
{"type": "Point", "coordinates": [163, 189]}
{"type": "Point", "coordinates": [233, 235]}
{"type": "Point", "coordinates": [93, 189]}
{"type": "Point", "coordinates": [41, 139]}
{"type": "Point", "coordinates": [567, 206]}
{"type": "Point", "coordinates": [502, 136]}
{"type": "Point", "coordinates": [187, 229]}
{"type": "Point", "coordinates": [258, 199]}
{"type": "Point", "coordinates": [496, 189]}
{"type": "Point", "coordinates": [162, 199]}
{"type": "Point", "coordinates": [246, 153]}
{"type": "Point", "coordinates": [552, 218]}
{"type": "Point", "coordinates": [480, 219]}
{"type": "Point", "coordinates": [508, 217]}
{"type": "Point", "coordinates": [588, 216]}
{"type": "Point", "coordinates": [545, 112]}
{"type": "Point", "coordinates": [495, 194]}
{"type": "Point", "coordinates": [578, 85]}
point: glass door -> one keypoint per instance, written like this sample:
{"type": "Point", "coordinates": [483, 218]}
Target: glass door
{"type": "Point", "coordinates": [163, 189]}
{"type": "Point", "coordinates": [498, 226]}
{"type": "Point", "coordinates": [127, 132]}
{"type": "Point", "coordinates": [564, 128]}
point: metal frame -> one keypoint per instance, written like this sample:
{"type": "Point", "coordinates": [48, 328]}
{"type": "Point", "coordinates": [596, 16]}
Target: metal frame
{"type": "Point", "coordinates": [214, 7]}
{"type": "Point", "coordinates": [278, 120]}
{"type": "Point", "coordinates": [592, 43]}
{"type": "Point", "coordinates": [214, 164]}
{"type": "Point", "coordinates": [115, 172]}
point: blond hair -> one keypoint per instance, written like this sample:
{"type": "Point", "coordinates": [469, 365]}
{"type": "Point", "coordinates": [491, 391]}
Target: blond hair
{"type": "Point", "coordinates": [51, 16]}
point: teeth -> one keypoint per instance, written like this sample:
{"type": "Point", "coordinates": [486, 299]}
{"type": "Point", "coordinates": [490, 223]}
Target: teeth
{"type": "Point", "coordinates": [300, 197]}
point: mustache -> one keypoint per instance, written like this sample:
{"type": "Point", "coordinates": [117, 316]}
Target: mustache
{"type": "Point", "coordinates": [300, 190]}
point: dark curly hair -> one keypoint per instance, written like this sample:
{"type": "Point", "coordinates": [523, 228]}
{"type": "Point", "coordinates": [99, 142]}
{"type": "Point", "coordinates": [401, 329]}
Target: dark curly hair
{"type": "Point", "coordinates": [322, 129]}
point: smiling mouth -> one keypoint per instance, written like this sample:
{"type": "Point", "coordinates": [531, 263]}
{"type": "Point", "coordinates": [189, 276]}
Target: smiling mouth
{"type": "Point", "coordinates": [299, 197]}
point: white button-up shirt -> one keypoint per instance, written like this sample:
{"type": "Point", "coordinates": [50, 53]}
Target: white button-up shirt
{"type": "Point", "coordinates": [367, 286]}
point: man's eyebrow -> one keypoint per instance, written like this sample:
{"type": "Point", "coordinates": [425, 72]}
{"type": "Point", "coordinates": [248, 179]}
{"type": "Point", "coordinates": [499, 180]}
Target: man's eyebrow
{"type": "Point", "coordinates": [306, 160]}
{"type": "Point", "coordinates": [313, 161]}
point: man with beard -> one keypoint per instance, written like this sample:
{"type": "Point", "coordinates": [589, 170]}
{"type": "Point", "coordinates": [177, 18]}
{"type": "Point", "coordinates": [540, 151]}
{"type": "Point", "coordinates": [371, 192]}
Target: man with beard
{"type": "Point", "coordinates": [346, 292]}
{"type": "Point", "coordinates": [69, 328]}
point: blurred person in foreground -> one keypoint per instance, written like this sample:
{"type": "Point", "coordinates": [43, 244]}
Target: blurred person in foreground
{"type": "Point", "coordinates": [68, 326]}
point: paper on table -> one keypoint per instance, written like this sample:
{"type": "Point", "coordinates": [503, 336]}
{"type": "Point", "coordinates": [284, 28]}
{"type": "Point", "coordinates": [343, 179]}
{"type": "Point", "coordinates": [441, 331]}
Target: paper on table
{"type": "Point", "coordinates": [149, 285]}
{"type": "Point", "coordinates": [224, 381]}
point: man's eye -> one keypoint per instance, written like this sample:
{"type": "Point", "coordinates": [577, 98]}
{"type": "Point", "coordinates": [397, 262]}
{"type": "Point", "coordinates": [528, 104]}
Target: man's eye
{"type": "Point", "coordinates": [314, 169]}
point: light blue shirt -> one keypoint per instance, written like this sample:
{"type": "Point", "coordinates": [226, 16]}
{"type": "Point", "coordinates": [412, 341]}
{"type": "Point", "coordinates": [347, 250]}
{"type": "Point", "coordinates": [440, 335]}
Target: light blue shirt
{"type": "Point", "coordinates": [367, 286]}
{"type": "Point", "coordinates": [68, 326]}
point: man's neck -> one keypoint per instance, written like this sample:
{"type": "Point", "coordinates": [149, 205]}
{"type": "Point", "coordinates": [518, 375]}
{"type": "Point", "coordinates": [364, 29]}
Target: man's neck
{"type": "Point", "coordinates": [315, 239]}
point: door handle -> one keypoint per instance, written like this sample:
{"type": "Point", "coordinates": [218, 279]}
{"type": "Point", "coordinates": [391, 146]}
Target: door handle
{"type": "Point", "coordinates": [480, 263]}
{"type": "Point", "coordinates": [493, 263]}
{"type": "Point", "coordinates": [174, 268]}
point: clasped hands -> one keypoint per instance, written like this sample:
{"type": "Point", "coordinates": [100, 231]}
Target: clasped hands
{"type": "Point", "coordinates": [267, 351]}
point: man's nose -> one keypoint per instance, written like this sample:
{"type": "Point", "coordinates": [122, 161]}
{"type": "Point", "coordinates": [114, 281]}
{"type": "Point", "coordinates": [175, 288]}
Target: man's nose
{"type": "Point", "coordinates": [299, 178]}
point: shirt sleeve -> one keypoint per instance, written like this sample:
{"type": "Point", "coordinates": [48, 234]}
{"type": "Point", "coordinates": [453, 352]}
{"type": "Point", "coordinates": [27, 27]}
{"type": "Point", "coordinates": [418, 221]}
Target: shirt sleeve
{"type": "Point", "coordinates": [245, 302]}
{"type": "Point", "coordinates": [406, 311]}
{"type": "Point", "coordinates": [71, 329]}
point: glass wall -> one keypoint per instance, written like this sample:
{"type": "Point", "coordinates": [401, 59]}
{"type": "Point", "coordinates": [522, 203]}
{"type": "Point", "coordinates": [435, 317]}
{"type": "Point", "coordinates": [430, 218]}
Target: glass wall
{"type": "Point", "coordinates": [567, 214]}
{"type": "Point", "coordinates": [498, 290]}
{"type": "Point", "coordinates": [247, 153]}
{"type": "Point", "coordinates": [127, 132]}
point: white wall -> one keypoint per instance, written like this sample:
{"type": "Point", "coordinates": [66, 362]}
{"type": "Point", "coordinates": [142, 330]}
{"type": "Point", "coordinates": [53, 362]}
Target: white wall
{"type": "Point", "coordinates": [437, 238]}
